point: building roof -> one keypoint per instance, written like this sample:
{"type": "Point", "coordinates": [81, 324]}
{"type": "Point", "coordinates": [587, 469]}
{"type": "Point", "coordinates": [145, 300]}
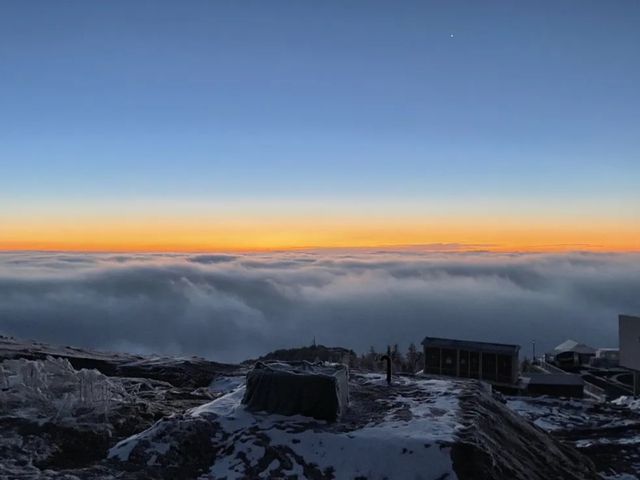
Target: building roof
{"type": "Point", "coordinates": [501, 348]}
{"type": "Point", "coordinates": [552, 379]}
{"type": "Point", "coordinates": [573, 346]}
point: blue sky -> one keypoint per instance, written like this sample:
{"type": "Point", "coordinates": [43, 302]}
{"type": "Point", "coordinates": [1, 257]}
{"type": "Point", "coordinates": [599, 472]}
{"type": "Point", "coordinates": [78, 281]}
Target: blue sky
{"type": "Point", "coordinates": [307, 101]}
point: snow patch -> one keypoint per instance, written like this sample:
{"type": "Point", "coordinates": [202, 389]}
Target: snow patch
{"type": "Point", "coordinates": [226, 384]}
{"type": "Point", "coordinates": [411, 440]}
{"type": "Point", "coordinates": [626, 401]}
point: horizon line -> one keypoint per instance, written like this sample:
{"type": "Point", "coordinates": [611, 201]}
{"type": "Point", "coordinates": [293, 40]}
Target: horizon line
{"type": "Point", "coordinates": [437, 247]}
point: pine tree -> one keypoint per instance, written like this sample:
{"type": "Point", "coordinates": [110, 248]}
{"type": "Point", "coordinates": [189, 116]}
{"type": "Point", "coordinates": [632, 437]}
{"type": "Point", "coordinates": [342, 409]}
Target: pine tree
{"type": "Point", "coordinates": [370, 359]}
{"type": "Point", "coordinates": [412, 357]}
{"type": "Point", "coordinates": [396, 358]}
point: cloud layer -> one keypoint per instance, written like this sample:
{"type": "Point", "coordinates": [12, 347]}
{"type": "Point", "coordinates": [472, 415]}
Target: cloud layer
{"type": "Point", "coordinates": [230, 307]}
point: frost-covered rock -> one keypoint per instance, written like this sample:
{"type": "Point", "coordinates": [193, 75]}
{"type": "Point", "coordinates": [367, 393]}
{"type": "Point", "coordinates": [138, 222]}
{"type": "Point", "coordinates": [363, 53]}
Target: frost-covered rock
{"type": "Point", "coordinates": [58, 422]}
{"type": "Point", "coordinates": [52, 390]}
{"type": "Point", "coordinates": [189, 372]}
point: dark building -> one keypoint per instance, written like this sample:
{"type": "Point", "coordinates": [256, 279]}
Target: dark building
{"type": "Point", "coordinates": [493, 362]}
{"type": "Point", "coordinates": [555, 384]}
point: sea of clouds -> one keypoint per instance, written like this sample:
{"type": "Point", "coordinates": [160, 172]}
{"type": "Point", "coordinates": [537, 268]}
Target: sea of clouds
{"type": "Point", "coordinates": [232, 307]}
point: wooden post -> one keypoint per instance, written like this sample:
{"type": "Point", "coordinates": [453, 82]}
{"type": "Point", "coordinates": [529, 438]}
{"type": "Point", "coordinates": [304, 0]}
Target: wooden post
{"type": "Point", "coordinates": [457, 362]}
{"type": "Point", "coordinates": [636, 384]}
{"type": "Point", "coordinates": [440, 361]}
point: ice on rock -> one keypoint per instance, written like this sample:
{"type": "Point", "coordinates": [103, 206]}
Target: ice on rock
{"type": "Point", "coordinates": [51, 389]}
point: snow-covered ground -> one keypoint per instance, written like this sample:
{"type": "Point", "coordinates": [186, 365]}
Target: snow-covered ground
{"type": "Point", "coordinates": [164, 418]}
{"type": "Point", "coordinates": [226, 383]}
{"type": "Point", "coordinates": [607, 432]}
{"type": "Point", "coordinates": [412, 439]}
{"type": "Point", "coordinates": [628, 402]}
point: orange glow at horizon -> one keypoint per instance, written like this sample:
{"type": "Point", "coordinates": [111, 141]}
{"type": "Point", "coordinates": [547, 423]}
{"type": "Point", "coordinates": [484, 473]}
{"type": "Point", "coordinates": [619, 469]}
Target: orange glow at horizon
{"type": "Point", "coordinates": [242, 234]}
